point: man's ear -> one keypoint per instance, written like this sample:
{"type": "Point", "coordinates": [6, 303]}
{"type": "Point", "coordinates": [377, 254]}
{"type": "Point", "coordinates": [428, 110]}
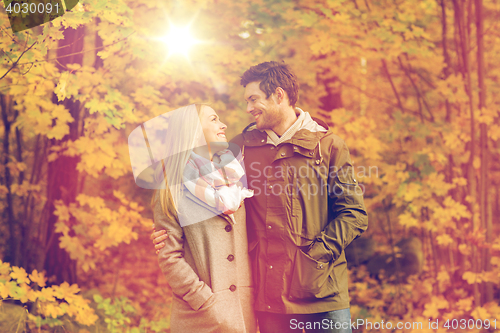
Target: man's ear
{"type": "Point", "coordinates": [280, 94]}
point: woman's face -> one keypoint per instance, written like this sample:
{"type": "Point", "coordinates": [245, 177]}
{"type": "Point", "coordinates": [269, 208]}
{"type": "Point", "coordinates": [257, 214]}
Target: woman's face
{"type": "Point", "coordinates": [213, 128]}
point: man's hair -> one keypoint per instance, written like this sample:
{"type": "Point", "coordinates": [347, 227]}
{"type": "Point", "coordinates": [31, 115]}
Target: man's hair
{"type": "Point", "coordinates": [272, 75]}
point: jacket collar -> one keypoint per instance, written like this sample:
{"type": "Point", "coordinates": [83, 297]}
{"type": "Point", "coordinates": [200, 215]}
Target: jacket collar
{"type": "Point", "coordinates": [308, 136]}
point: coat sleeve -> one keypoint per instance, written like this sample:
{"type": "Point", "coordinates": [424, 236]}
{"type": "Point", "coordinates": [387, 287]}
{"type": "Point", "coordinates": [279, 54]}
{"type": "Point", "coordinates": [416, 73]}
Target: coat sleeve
{"type": "Point", "coordinates": [181, 277]}
{"type": "Point", "coordinates": [348, 216]}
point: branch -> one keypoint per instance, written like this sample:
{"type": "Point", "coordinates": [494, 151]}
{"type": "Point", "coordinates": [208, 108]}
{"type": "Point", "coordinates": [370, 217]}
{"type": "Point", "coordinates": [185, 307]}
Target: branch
{"type": "Point", "coordinates": [392, 84]}
{"type": "Point", "coordinates": [419, 95]}
{"type": "Point", "coordinates": [377, 98]}
{"type": "Point", "coordinates": [80, 52]}
{"type": "Point", "coordinates": [17, 61]}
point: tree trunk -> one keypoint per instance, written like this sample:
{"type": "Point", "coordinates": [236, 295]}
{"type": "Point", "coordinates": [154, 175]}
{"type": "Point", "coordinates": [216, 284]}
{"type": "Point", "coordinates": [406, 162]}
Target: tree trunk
{"type": "Point", "coordinates": [483, 146]}
{"type": "Point", "coordinates": [62, 174]}
{"type": "Point", "coordinates": [13, 250]}
{"type": "Point", "coordinates": [465, 47]}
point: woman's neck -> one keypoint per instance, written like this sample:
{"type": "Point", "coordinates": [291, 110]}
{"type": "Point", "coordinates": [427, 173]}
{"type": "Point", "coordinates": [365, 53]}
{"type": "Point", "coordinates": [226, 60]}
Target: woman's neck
{"type": "Point", "coordinates": [204, 151]}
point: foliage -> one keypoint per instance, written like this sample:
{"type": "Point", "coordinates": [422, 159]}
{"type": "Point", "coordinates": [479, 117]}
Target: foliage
{"type": "Point", "coordinates": [399, 81]}
{"type": "Point", "coordinates": [48, 303]}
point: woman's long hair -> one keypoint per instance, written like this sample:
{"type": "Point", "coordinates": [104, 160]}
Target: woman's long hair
{"type": "Point", "coordinates": [183, 134]}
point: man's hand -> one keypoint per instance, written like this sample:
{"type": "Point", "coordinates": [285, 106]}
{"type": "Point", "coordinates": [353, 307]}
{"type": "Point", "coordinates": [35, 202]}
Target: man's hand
{"type": "Point", "coordinates": [158, 237]}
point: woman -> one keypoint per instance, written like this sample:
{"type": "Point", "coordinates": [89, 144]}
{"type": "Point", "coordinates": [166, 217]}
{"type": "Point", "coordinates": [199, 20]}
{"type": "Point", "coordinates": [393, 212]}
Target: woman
{"type": "Point", "coordinates": [205, 258]}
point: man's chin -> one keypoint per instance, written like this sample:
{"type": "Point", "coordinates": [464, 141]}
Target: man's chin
{"type": "Point", "coordinates": [259, 125]}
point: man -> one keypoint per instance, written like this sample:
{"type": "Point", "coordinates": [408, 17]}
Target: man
{"type": "Point", "coordinates": [306, 209]}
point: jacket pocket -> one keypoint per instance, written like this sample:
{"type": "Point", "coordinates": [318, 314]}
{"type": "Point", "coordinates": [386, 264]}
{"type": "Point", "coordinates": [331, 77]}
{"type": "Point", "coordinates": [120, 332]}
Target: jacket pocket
{"type": "Point", "coordinates": [347, 187]}
{"type": "Point", "coordinates": [312, 279]}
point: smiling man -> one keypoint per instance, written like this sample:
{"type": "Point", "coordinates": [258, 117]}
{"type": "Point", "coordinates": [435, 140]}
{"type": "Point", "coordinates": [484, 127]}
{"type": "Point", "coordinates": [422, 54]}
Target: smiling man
{"type": "Point", "coordinates": [307, 208]}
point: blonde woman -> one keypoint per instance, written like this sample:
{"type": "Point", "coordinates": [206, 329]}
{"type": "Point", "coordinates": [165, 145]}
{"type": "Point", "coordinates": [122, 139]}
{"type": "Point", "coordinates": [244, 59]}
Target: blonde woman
{"type": "Point", "coordinates": [205, 258]}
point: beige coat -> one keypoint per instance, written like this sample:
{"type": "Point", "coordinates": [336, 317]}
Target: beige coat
{"type": "Point", "coordinates": [207, 266]}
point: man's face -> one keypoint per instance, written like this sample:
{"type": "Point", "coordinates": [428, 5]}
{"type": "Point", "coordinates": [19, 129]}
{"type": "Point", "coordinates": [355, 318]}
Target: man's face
{"type": "Point", "coordinates": [266, 111]}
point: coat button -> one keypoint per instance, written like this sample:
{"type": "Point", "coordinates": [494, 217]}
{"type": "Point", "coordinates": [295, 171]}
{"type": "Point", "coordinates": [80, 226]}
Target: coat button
{"type": "Point", "coordinates": [228, 228]}
{"type": "Point", "coordinates": [282, 154]}
{"type": "Point", "coordinates": [232, 288]}
{"type": "Point", "coordinates": [269, 227]}
{"type": "Point", "coordinates": [230, 257]}
{"type": "Point", "coordinates": [311, 153]}
{"type": "Point", "coordinates": [268, 307]}
{"type": "Point", "coordinates": [262, 140]}
{"type": "Point", "coordinates": [271, 267]}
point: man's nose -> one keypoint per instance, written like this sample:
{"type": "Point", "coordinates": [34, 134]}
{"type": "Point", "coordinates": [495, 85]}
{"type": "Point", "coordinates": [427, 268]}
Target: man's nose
{"type": "Point", "coordinates": [249, 107]}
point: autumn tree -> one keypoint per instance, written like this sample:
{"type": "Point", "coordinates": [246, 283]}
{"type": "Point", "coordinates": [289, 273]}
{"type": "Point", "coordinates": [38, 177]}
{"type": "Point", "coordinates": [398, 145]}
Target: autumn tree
{"type": "Point", "coordinates": [412, 86]}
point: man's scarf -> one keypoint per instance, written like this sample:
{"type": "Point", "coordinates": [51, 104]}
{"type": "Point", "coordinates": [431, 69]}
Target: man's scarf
{"type": "Point", "coordinates": [217, 184]}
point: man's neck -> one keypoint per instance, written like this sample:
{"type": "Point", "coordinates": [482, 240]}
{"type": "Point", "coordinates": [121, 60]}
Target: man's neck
{"type": "Point", "coordinates": [289, 119]}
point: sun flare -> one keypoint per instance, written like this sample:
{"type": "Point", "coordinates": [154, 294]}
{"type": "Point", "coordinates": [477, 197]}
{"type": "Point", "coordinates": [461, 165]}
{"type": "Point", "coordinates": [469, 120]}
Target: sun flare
{"type": "Point", "coordinates": [179, 40]}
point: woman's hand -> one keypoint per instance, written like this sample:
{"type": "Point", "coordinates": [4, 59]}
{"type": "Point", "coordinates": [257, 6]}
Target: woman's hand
{"type": "Point", "coordinates": [158, 237]}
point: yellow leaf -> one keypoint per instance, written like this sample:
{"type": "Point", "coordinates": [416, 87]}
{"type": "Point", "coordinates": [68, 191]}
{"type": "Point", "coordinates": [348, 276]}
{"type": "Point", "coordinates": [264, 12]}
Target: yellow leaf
{"type": "Point", "coordinates": [4, 270]}
{"type": "Point", "coordinates": [443, 277]}
{"type": "Point", "coordinates": [487, 116]}
{"type": "Point", "coordinates": [46, 294]}
{"type": "Point", "coordinates": [60, 90]}
{"type": "Point", "coordinates": [432, 308]}
{"type": "Point", "coordinates": [477, 162]}
{"type": "Point", "coordinates": [480, 313]}
{"type": "Point", "coordinates": [412, 192]}
{"type": "Point", "coordinates": [464, 249]}
{"type": "Point", "coordinates": [406, 219]}
{"type": "Point", "coordinates": [52, 157]}
{"type": "Point", "coordinates": [495, 261]}
{"type": "Point", "coordinates": [444, 239]}
{"type": "Point", "coordinates": [460, 181]}
{"type": "Point", "coordinates": [3, 191]}
{"type": "Point", "coordinates": [471, 277]}
{"type": "Point", "coordinates": [465, 304]}
{"type": "Point", "coordinates": [494, 132]}
{"type": "Point", "coordinates": [6, 289]}
{"type": "Point", "coordinates": [38, 278]}
{"type": "Point", "coordinates": [52, 310]}
{"type": "Point", "coordinates": [61, 211]}
{"type": "Point", "coordinates": [65, 291]}
{"type": "Point", "coordinates": [23, 293]}
{"type": "Point", "coordinates": [19, 274]}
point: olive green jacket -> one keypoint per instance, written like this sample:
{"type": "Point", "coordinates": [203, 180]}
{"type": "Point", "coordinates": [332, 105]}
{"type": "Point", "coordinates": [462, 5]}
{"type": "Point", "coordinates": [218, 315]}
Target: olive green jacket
{"type": "Point", "coordinates": [307, 208]}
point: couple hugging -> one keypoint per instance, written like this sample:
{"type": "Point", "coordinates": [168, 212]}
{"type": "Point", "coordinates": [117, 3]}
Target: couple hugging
{"type": "Point", "coordinates": [239, 239]}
